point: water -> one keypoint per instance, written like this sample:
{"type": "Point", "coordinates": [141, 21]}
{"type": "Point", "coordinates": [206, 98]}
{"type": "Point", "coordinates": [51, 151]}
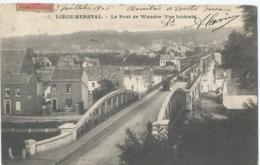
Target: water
{"type": "Point", "coordinates": [15, 141]}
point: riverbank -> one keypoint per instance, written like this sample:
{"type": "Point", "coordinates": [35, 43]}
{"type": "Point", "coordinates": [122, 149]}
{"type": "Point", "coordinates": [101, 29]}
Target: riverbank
{"type": "Point", "coordinates": [34, 119]}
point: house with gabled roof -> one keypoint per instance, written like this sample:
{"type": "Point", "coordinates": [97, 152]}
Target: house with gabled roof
{"type": "Point", "coordinates": [171, 57]}
{"type": "Point", "coordinates": [21, 91]}
{"type": "Point", "coordinates": [69, 90]}
{"type": "Point", "coordinates": [93, 69]}
{"type": "Point", "coordinates": [93, 78]}
{"type": "Point", "coordinates": [69, 61]}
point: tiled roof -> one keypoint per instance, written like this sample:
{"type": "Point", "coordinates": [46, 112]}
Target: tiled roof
{"type": "Point", "coordinates": [44, 74]}
{"type": "Point", "coordinates": [69, 61]}
{"type": "Point", "coordinates": [66, 74]}
{"type": "Point", "coordinates": [12, 60]}
{"type": "Point", "coordinates": [20, 78]}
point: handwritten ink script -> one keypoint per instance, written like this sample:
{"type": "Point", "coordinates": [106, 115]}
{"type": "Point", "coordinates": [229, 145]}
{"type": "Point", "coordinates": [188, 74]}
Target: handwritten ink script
{"type": "Point", "coordinates": [165, 16]}
{"type": "Point", "coordinates": [214, 19]}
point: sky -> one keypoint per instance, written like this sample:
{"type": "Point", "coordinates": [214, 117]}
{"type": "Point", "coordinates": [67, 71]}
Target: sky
{"type": "Point", "coordinates": [165, 17]}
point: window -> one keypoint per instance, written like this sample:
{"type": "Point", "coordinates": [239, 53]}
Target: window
{"type": "Point", "coordinates": [68, 102]}
{"type": "Point", "coordinates": [93, 84]}
{"type": "Point", "coordinates": [68, 88]}
{"type": "Point", "coordinates": [53, 88]}
{"type": "Point", "coordinates": [7, 92]}
{"type": "Point", "coordinates": [17, 92]}
{"type": "Point", "coordinates": [18, 106]}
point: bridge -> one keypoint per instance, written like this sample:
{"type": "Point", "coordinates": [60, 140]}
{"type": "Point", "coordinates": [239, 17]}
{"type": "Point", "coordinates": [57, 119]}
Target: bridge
{"type": "Point", "coordinates": [93, 138]}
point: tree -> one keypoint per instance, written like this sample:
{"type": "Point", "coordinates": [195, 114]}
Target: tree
{"type": "Point", "coordinates": [145, 150]}
{"type": "Point", "coordinates": [106, 86]}
{"type": "Point", "coordinates": [250, 19]}
{"type": "Point", "coordinates": [240, 50]}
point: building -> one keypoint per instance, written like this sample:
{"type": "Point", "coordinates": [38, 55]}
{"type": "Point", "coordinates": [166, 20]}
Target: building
{"type": "Point", "coordinates": [218, 58]}
{"type": "Point", "coordinates": [44, 77]}
{"type": "Point", "coordinates": [93, 78]}
{"type": "Point", "coordinates": [235, 97]}
{"type": "Point", "coordinates": [171, 57]}
{"type": "Point", "coordinates": [21, 91]}
{"type": "Point", "coordinates": [90, 62]}
{"type": "Point", "coordinates": [42, 62]}
{"type": "Point", "coordinates": [138, 80]}
{"type": "Point", "coordinates": [69, 62]}
{"type": "Point", "coordinates": [220, 75]}
{"type": "Point", "coordinates": [68, 90]}
{"type": "Point", "coordinates": [113, 73]}
{"type": "Point", "coordinates": [93, 69]}
{"type": "Point", "coordinates": [170, 61]}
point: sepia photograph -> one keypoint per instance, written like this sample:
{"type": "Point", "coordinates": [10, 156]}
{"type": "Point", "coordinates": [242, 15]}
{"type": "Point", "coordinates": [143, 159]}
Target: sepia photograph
{"type": "Point", "coordinates": [128, 84]}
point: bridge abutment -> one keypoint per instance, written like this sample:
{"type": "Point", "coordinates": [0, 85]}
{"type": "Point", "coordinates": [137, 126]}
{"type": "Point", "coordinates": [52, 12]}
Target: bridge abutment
{"type": "Point", "coordinates": [160, 130]}
{"type": "Point", "coordinates": [69, 127]}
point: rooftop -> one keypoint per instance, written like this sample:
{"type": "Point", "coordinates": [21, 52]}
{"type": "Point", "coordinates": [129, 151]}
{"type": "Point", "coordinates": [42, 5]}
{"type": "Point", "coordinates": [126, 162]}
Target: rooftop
{"type": "Point", "coordinates": [66, 74]}
{"type": "Point", "coordinates": [69, 61]}
{"type": "Point", "coordinates": [44, 74]}
{"type": "Point", "coordinates": [16, 78]}
{"type": "Point", "coordinates": [12, 60]}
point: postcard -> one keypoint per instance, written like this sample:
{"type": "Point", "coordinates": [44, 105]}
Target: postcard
{"type": "Point", "coordinates": [129, 84]}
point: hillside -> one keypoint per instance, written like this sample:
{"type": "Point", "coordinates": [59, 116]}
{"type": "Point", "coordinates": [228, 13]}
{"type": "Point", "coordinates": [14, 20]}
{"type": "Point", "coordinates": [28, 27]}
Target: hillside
{"type": "Point", "coordinates": [112, 40]}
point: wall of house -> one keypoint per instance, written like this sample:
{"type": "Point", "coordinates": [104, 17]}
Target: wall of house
{"type": "Point", "coordinates": [35, 99]}
{"type": "Point", "coordinates": [30, 101]}
{"type": "Point", "coordinates": [135, 83]}
{"type": "Point", "coordinates": [204, 84]}
{"type": "Point", "coordinates": [218, 58]}
{"type": "Point", "coordinates": [156, 79]}
{"type": "Point", "coordinates": [61, 95]}
{"type": "Point", "coordinates": [85, 95]}
{"type": "Point", "coordinates": [90, 86]}
{"type": "Point", "coordinates": [236, 102]}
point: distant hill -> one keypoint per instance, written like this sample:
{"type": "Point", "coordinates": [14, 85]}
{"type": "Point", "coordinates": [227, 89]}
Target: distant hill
{"type": "Point", "coordinates": [112, 40]}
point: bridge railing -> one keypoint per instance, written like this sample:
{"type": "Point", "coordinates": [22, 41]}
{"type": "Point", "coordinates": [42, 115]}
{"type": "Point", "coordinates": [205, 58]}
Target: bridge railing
{"type": "Point", "coordinates": [53, 142]}
{"type": "Point", "coordinates": [104, 108]}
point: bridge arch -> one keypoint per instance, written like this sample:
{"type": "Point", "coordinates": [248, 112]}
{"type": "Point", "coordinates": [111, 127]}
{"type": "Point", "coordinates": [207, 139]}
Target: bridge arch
{"type": "Point", "coordinates": [173, 104]}
{"type": "Point", "coordinates": [171, 109]}
{"type": "Point", "coordinates": [104, 108]}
